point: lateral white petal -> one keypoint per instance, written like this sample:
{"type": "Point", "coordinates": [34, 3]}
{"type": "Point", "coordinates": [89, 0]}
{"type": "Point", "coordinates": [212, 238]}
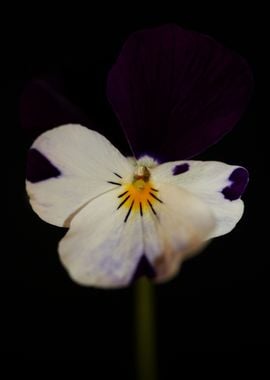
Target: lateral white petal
{"type": "Point", "coordinates": [86, 161]}
{"type": "Point", "coordinates": [100, 249]}
{"type": "Point", "coordinates": [180, 227]}
{"type": "Point", "coordinates": [207, 181]}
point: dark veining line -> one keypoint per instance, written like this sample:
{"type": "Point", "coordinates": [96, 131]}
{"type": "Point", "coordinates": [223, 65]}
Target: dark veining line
{"type": "Point", "coordinates": [152, 208]}
{"type": "Point", "coordinates": [129, 211]}
{"type": "Point", "coordinates": [141, 210]}
{"type": "Point", "coordinates": [154, 189]}
{"type": "Point", "coordinates": [121, 195]}
{"type": "Point", "coordinates": [121, 204]}
{"type": "Point", "coordinates": [114, 183]}
{"type": "Point", "coordinates": [154, 196]}
{"type": "Point", "coordinates": [118, 175]}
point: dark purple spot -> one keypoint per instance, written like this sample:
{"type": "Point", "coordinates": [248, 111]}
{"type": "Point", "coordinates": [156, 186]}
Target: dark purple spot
{"type": "Point", "coordinates": [239, 180]}
{"type": "Point", "coordinates": [144, 268]}
{"type": "Point", "coordinates": [179, 169]}
{"type": "Point", "coordinates": [39, 167]}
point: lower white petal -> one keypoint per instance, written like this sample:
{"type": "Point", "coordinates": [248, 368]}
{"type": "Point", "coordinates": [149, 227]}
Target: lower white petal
{"type": "Point", "coordinates": [217, 184]}
{"type": "Point", "coordinates": [177, 229]}
{"type": "Point", "coordinates": [102, 247]}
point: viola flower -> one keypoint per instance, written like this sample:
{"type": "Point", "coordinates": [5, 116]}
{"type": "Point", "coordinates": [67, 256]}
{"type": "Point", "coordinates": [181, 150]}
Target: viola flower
{"type": "Point", "coordinates": [175, 92]}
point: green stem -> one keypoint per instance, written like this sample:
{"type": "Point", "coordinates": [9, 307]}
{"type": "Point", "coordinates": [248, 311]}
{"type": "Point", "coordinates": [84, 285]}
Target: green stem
{"type": "Point", "coordinates": [145, 330]}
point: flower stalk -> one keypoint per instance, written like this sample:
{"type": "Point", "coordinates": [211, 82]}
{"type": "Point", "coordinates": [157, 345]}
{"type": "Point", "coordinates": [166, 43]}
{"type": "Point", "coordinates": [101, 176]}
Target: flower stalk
{"type": "Point", "coordinates": [145, 330]}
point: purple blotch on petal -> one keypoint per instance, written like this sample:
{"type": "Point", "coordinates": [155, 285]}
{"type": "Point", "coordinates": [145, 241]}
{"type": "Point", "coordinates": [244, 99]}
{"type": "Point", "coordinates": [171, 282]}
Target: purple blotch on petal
{"type": "Point", "coordinates": [144, 268]}
{"type": "Point", "coordinates": [179, 169]}
{"type": "Point", "coordinates": [239, 180]}
{"type": "Point", "coordinates": [39, 168]}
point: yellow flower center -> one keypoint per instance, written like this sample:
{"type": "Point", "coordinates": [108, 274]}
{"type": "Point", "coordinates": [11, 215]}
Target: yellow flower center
{"type": "Point", "coordinates": [139, 196]}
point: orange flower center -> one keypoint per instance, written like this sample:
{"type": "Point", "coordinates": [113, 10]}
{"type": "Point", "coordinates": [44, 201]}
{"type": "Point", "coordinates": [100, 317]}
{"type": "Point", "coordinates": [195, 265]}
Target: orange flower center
{"type": "Point", "coordinates": [139, 196]}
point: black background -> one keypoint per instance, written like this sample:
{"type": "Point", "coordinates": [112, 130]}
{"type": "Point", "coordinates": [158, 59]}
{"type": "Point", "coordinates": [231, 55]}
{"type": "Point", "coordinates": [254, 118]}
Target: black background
{"type": "Point", "coordinates": [218, 303]}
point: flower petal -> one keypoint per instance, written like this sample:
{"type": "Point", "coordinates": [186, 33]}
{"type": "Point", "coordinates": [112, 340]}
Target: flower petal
{"type": "Point", "coordinates": [179, 228]}
{"type": "Point", "coordinates": [43, 107]}
{"type": "Point", "coordinates": [100, 248]}
{"type": "Point", "coordinates": [83, 165]}
{"type": "Point", "coordinates": [176, 92]}
{"type": "Point", "coordinates": [217, 184]}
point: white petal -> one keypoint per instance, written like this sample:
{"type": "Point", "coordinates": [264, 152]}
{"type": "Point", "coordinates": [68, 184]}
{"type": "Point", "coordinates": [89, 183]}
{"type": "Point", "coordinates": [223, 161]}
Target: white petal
{"type": "Point", "coordinates": [86, 160]}
{"type": "Point", "coordinates": [181, 225]}
{"type": "Point", "coordinates": [206, 180]}
{"type": "Point", "coordinates": [100, 249]}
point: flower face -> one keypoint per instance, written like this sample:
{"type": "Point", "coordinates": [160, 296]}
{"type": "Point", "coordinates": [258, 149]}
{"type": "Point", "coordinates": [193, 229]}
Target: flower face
{"type": "Point", "coordinates": [120, 210]}
{"type": "Point", "coordinates": [174, 92]}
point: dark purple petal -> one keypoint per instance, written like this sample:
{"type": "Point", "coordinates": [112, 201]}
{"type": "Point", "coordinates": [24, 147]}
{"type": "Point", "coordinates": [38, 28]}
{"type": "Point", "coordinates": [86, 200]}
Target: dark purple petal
{"type": "Point", "coordinates": [176, 92]}
{"type": "Point", "coordinates": [181, 168]}
{"type": "Point", "coordinates": [239, 180]}
{"type": "Point", "coordinates": [43, 107]}
{"type": "Point", "coordinates": [144, 268]}
{"type": "Point", "coordinates": [39, 168]}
